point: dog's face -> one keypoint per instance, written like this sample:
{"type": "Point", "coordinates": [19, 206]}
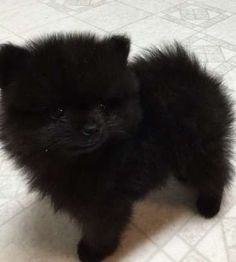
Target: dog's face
{"type": "Point", "coordinates": [68, 95]}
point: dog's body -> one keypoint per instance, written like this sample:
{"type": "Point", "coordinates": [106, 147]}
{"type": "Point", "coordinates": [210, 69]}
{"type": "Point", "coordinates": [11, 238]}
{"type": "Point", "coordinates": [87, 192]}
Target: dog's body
{"type": "Point", "coordinates": [97, 133]}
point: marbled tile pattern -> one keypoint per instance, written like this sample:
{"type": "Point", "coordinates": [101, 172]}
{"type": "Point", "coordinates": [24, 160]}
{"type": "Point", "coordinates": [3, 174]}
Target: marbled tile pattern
{"type": "Point", "coordinates": [164, 228]}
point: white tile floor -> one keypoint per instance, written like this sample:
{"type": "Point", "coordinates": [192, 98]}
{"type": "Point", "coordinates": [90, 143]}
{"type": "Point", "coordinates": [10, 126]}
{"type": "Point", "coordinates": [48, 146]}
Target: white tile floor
{"type": "Point", "coordinates": [164, 228]}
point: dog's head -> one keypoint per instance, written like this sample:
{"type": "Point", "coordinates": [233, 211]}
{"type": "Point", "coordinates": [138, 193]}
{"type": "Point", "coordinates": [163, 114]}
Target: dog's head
{"type": "Point", "coordinates": [68, 94]}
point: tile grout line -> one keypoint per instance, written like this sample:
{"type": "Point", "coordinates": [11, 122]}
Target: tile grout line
{"type": "Point", "coordinates": [137, 8]}
{"type": "Point", "coordinates": [220, 41]}
{"type": "Point", "coordinates": [199, 4]}
{"type": "Point", "coordinates": [152, 255]}
{"type": "Point", "coordinates": [165, 242]}
{"type": "Point", "coordinates": [43, 25]}
{"type": "Point", "coordinates": [34, 28]}
{"type": "Point", "coordinates": [203, 236]}
{"type": "Point", "coordinates": [167, 255]}
{"type": "Point", "coordinates": [76, 16]}
{"type": "Point", "coordinates": [224, 240]}
{"type": "Point", "coordinates": [216, 9]}
{"type": "Point", "coordinates": [141, 19]}
{"type": "Point", "coordinates": [69, 16]}
{"type": "Point", "coordinates": [99, 28]}
{"type": "Point", "coordinates": [156, 252]}
{"type": "Point", "coordinates": [192, 249]}
{"type": "Point", "coordinates": [112, 31]}
{"type": "Point", "coordinates": [220, 44]}
{"type": "Point", "coordinates": [18, 213]}
{"type": "Point", "coordinates": [197, 31]}
{"type": "Point", "coordinates": [57, 10]}
{"type": "Point", "coordinates": [92, 7]}
{"type": "Point", "coordinates": [202, 255]}
{"type": "Point", "coordinates": [22, 5]}
{"type": "Point", "coordinates": [5, 28]}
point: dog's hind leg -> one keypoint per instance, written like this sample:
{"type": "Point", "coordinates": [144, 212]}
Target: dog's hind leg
{"type": "Point", "coordinates": [209, 175]}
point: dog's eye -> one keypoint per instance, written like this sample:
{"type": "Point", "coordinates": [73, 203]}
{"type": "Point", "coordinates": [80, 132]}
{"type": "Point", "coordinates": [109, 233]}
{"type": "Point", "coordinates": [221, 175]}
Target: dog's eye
{"type": "Point", "coordinates": [59, 112]}
{"type": "Point", "coordinates": [102, 107]}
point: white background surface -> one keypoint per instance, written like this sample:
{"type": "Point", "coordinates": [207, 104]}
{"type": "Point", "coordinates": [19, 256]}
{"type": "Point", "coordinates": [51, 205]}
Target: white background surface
{"type": "Point", "coordinates": [165, 227]}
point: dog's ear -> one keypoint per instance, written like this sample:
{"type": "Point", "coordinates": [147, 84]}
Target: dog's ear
{"type": "Point", "coordinates": [121, 46]}
{"type": "Point", "coordinates": [12, 59]}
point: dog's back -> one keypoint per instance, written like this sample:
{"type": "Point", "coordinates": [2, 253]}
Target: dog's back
{"type": "Point", "coordinates": [189, 113]}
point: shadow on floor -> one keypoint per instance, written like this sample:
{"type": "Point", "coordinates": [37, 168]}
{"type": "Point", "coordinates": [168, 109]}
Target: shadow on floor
{"type": "Point", "coordinates": [53, 237]}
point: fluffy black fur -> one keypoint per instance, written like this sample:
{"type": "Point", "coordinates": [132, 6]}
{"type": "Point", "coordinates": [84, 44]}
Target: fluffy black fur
{"type": "Point", "coordinates": [97, 133]}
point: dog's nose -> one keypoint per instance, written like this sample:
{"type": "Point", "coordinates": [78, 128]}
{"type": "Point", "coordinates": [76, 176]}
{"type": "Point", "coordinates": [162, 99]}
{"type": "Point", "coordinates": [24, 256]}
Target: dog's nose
{"type": "Point", "coordinates": [90, 129]}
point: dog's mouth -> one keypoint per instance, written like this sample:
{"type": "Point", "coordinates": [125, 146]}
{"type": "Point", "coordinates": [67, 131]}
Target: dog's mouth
{"type": "Point", "coordinates": [89, 145]}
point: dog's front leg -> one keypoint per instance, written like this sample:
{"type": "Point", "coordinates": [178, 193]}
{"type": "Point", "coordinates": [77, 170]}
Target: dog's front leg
{"type": "Point", "coordinates": [102, 228]}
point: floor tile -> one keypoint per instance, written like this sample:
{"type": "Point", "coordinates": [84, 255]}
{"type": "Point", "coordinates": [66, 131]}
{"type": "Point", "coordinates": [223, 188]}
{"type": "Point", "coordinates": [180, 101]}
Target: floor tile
{"type": "Point", "coordinates": [155, 31]}
{"type": "Point", "coordinates": [213, 246]}
{"type": "Point", "coordinates": [225, 30]}
{"type": "Point", "coordinates": [232, 254]}
{"type": "Point", "coordinates": [134, 50]}
{"type": "Point", "coordinates": [160, 256]}
{"type": "Point", "coordinates": [162, 215]}
{"type": "Point", "coordinates": [66, 25]}
{"type": "Point", "coordinates": [232, 212]}
{"type": "Point", "coordinates": [12, 253]}
{"type": "Point", "coordinates": [12, 39]}
{"type": "Point", "coordinates": [195, 15]}
{"type": "Point", "coordinates": [130, 249]}
{"type": "Point", "coordinates": [41, 232]}
{"type": "Point", "coordinates": [112, 16]}
{"type": "Point", "coordinates": [6, 5]}
{"type": "Point", "coordinates": [195, 229]}
{"type": "Point", "coordinates": [229, 228]}
{"type": "Point", "coordinates": [176, 248]}
{"type": "Point", "coordinates": [30, 16]}
{"type": "Point", "coordinates": [73, 7]}
{"type": "Point", "coordinates": [228, 5]}
{"type": "Point", "coordinates": [8, 210]}
{"type": "Point", "coordinates": [152, 6]}
{"type": "Point", "coordinates": [175, 2]}
{"type": "Point", "coordinates": [194, 257]}
{"type": "Point", "coordinates": [213, 53]}
{"type": "Point", "coordinates": [4, 34]}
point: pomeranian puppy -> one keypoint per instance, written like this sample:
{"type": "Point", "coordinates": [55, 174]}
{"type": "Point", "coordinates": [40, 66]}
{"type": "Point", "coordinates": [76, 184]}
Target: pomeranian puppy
{"type": "Point", "coordinates": [96, 133]}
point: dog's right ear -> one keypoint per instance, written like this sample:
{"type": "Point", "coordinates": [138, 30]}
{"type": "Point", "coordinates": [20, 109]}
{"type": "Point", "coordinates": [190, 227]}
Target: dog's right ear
{"type": "Point", "coordinates": [120, 46]}
{"type": "Point", "coordinates": [12, 59]}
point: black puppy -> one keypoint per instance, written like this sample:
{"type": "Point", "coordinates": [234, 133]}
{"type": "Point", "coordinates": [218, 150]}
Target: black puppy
{"type": "Point", "coordinates": [96, 133]}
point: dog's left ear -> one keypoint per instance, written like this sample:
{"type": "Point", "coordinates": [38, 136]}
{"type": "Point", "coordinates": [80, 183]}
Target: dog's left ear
{"type": "Point", "coordinates": [121, 46]}
{"type": "Point", "coordinates": [12, 60]}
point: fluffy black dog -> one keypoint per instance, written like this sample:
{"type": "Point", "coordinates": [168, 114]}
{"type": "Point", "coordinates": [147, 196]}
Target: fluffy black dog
{"type": "Point", "coordinates": [97, 133]}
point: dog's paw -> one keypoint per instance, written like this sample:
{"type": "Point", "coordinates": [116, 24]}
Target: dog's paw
{"type": "Point", "coordinates": [208, 207]}
{"type": "Point", "coordinates": [88, 254]}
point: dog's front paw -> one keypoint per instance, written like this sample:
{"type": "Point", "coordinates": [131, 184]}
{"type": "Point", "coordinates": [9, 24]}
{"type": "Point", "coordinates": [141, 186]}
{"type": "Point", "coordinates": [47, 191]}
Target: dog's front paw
{"type": "Point", "coordinates": [208, 207]}
{"type": "Point", "coordinates": [88, 254]}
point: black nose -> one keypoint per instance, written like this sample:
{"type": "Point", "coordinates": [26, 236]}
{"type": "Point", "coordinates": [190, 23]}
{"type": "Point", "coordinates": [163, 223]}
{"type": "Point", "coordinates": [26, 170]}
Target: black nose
{"type": "Point", "coordinates": [90, 129]}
